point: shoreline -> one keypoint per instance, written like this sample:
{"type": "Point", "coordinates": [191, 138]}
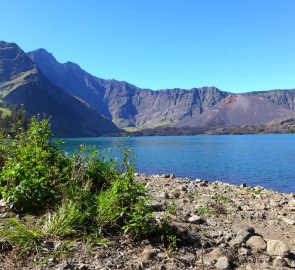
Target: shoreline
{"type": "Point", "coordinates": [220, 226]}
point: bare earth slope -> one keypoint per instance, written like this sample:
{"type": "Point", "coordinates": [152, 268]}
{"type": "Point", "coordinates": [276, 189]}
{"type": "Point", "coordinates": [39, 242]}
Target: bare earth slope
{"type": "Point", "coordinates": [236, 110]}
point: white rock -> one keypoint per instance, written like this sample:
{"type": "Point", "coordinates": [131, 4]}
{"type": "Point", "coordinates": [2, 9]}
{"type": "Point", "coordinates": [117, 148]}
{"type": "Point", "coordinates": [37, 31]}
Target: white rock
{"type": "Point", "coordinates": [196, 219]}
{"type": "Point", "coordinates": [277, 248]}
{"type": "Point", "coordinates": [257, 243]}
{"type": "Point", "coordinates": [222, 263]}
{"type": "Point", "coordinates": [288, 220]}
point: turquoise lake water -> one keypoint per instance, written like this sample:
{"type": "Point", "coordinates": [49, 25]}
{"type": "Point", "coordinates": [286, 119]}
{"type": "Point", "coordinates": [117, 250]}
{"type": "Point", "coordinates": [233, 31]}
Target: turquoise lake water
{"type": "Point", "coordinates": [266, 160]}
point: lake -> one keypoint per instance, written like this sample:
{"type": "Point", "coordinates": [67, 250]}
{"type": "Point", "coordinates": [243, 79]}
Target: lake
{"type": "Point", "coordinates": [266, 160]}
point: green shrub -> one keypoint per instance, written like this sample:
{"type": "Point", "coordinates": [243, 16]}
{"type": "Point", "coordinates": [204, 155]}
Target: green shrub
{"type": "Point", "coordinates": [141, 223]}
{"type": "Point", "coordinates": [34, 169]}
{"type": "Point", "coordinates": [88, 195]}
{"type": "Point", "coordinates": [115, 204]}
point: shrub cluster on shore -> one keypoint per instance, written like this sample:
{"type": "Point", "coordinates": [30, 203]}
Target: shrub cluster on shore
{"type": "Point", "coordinates": [87, 196]}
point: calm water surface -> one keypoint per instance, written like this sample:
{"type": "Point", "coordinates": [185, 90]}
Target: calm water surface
{"type": "Point", "coordinates": [267, 160]}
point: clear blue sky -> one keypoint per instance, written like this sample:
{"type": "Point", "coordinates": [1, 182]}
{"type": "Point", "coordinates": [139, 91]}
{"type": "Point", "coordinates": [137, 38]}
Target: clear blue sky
{"type": "Point", "coordinates": [235, 45]}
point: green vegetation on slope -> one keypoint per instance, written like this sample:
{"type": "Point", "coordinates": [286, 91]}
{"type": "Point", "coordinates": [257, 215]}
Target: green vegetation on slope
{"type": "Point", "coordinates": [85, 196]}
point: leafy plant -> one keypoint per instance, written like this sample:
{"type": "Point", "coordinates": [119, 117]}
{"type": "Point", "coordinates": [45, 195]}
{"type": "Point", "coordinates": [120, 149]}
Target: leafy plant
{"type": "Point", "coordinates": [34, 169]}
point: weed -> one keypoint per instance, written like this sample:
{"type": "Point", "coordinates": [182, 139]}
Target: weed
{"type": "Point", "coordinates": [221, 198]}
{"type": "Point", "coordinates": [68, 220]}
{"type": "Point", "coordinates": [172, 208]}
{"type": "Point", "coordinates": [206, 211]}
{"type": "Point", "coordinates": [20, 235]}
{"type": "Point", "coordinates": [192, 196]}
{"type": "Point", "coordinates": [253, 191]}
{"type": "Point", "coordinates": [172, 245]}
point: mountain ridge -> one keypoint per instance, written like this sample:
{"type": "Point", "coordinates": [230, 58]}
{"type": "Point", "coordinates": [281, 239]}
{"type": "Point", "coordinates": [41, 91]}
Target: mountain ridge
{"type": "Point", "coordinates": [21, 82]}
{"type": "Point", "coordinates": [129, 106]}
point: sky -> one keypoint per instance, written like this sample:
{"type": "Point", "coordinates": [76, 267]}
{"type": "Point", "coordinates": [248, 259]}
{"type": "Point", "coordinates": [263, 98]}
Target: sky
{"type": "Point", "coordinates": [235, 45]}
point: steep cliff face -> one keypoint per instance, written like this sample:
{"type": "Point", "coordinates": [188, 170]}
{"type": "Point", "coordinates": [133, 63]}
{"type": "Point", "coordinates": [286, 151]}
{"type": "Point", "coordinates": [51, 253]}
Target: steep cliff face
{"type": "Point", "coordinates": [125, 104]}
{"type": "Point", "coordinates": [284, 98]}
{"type": "Point", "coordinates": [129, 106]}
{"type": "Point", "coordinates": [21, 82]}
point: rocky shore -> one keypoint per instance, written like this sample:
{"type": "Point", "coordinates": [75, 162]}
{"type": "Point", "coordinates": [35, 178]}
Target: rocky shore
{"type": "Point", "coordinates": [220, 226]}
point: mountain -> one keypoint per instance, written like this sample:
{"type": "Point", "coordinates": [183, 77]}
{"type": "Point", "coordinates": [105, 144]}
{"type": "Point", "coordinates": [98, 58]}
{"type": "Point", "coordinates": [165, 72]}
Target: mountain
{"type": "Point", "coordinates": [285, 98]}
{"type": "Point", "coordinates": [21, 82]}
{"type": "Point", "coordinates": [125, 104]}
{"type": "Point", "coordinates": [237, 110]}
{"type": "Point", "coordinates": [131, 107]}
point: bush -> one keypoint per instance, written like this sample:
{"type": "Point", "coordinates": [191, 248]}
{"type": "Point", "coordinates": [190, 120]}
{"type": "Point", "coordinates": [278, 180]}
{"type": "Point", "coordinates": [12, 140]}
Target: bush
{"type": "Point", "coordinates": [88, 195]}
{"type": "Point", "coordinates": [33, 170]}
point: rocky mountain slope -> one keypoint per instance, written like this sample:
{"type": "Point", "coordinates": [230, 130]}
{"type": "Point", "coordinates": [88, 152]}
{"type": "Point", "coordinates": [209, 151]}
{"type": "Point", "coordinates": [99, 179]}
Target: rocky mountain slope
{"type": "Point", "coordinates": [129, 106]}
{"type": "Point", "coordinates": [236, 110]}
{"type": "Point", "coordinates": [125, 104]}
{"type": "Point", "coordinates": [21, 82]}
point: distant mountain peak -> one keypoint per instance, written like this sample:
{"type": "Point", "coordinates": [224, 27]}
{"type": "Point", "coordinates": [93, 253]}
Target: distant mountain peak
{"type": "Point", "coordinates": [21, 82]}
{"type": "Point", "coordinates": [130, 106]}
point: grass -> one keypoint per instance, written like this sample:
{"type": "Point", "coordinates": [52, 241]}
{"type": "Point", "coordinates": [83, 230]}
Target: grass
{"type": "Point", "coordinates": [192, 196]}
{"type": "Point", "coordinates": [206, 211]}
{"type": "Point", "coordinates": [88, 196]}
{"type": "Point", "coordinates": [20, 235]}
{"type": "Point", "coordinates": [253, 191]}
{"type": "Point", "coordinates": [172, 209]}
{"type": "Point", "coordinates": [221, 198]}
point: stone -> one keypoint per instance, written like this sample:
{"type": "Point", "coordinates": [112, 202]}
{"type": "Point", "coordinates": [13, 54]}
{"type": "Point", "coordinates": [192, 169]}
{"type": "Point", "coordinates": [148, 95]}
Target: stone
{"type": "Point", "coordinates": [188, 258]}
{"type": "Point", "coordinates": [163, 195]}
{"type": "Point", "coordinates": [211, 222]}
{"type": "Point", "coordinates": [82, 266]}
{"type": "Point", "coordinates": [257, 243]}
{"type": "Point", "coordinates": [288, 220]}
{"type": "Point", "coordinates": [162, 256]}
{"type": "Point", "coordinates": [291, 203]}
{"type": "Point", "coordinates": [246, 208]}
{"type": "Point", "coordinates": [222, 263]}
{"type": "Point", "coordinates": [241, 227]}
{"type": "Point", "coordinates": [63, 265]}
{"type": "Point", "coordinates": [244, 251]}
{"type": "Point", "coordinates": [148, 254]}
{"type": "Point", "coordinates": [277, 248]}
{"type": "Point", "coordinates": [279, 262]}
{"type": "Point", "coordinates": [216, 253]}
{"type": "Point", "coordinates": [4, 245]}
{"type": "Point", "coordinates": [243, 235]}
{"type": "Point", "coordinates": [177, 193]}
{"type": "Point", "coordinates": [260, 206]}
{"type": "Point", "coordinates": [196, 220]}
